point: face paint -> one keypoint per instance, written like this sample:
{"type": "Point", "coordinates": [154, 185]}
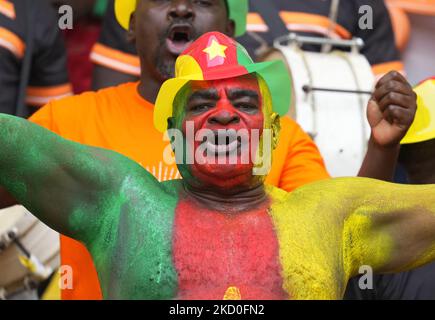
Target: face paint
{"type": "Point", "coordinates": [232, 112]}
{"type": "Point", "coordinates": [163, 30]}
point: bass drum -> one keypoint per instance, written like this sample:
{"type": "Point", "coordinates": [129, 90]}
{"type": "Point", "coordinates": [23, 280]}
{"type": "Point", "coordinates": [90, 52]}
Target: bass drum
{"type": "Point", "coordinates": [331, 95]}
{"type": "Point", "coordinates": [33, 239]}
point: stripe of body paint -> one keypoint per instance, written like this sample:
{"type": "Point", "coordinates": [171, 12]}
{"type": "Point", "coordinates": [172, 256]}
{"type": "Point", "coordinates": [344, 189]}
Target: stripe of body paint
{"type": "Point", "coordinates": [308, 246]}
{"type": "Point", "coordinates": [214, 251]}
{"type": "Point", "coordinates": [132, 248]}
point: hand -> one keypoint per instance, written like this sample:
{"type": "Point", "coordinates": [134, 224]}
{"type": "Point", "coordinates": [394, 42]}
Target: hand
{"type": "Point", "coordinates": [391, 110]}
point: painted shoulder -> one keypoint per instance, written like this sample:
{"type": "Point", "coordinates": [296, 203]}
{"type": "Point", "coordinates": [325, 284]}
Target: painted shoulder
{"type": "Point", "coordinates": [172, 187]}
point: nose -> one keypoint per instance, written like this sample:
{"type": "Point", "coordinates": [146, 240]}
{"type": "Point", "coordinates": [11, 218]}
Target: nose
{"type": "Point", "coordinates": [224, 117]}
{"type": "Point", "coordinates": [181, 9]}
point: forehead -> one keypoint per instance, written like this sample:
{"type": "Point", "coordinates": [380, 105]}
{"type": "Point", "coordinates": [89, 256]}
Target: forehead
{"type": "Point", "coordinates": [222, 3]}
{"type": "Point", "coordinates": [247, 82]}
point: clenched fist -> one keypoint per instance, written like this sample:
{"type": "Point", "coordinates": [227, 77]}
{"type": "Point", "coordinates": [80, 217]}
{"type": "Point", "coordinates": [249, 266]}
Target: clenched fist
{"type": "Point", "coordinates": [391, 109]}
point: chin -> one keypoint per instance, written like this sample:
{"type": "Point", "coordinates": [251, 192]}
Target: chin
{"type": "Point", "coordinates": [223, 176]}
{"type": "Point", "coordinates": [166, 67]}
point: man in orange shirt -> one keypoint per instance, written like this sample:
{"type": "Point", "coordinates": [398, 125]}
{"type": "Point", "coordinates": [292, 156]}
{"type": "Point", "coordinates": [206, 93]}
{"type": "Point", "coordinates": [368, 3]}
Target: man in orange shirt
{"type": "Point", "coordinates": [121, 118]}
{"type": "Point", "coordinates": [115, 60]}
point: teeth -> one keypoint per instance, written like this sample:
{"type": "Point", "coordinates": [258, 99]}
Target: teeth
{"type": "Point", "coordinates": [223, 148]}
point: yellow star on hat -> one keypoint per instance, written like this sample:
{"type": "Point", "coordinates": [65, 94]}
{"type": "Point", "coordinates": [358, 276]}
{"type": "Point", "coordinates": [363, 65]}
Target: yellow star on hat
{"type": "Point", "coordinates": [215, 50]}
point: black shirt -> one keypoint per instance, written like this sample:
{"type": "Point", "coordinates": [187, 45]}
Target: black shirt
{"type": "Point", "coordinates": [311, 17]}
{"type": "Point", "coordinates": [306, 17]}
{"type": "Point", "coordinates": [47, 74]}
{"type": "Point", "coordinates": [418, 284]}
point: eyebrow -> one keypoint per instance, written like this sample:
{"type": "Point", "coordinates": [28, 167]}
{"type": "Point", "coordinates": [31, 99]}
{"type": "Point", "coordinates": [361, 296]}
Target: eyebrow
{"type": "Point", "coordinates": [206, 94]}
{"type": "Point", "coordinates": [237, 93]}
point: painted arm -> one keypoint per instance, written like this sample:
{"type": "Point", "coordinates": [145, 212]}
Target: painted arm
{"type": "Point", "coordinates": [388, 227]}
{"type": "Point", "coordinates": [54, 177]}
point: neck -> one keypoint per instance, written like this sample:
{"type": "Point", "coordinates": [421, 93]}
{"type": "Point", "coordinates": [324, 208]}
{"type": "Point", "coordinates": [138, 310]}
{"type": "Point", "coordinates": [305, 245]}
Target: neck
{"type": "Point", "coordinates": [149, 86]}
{"type": "Point", "coordinates": [236, 201]}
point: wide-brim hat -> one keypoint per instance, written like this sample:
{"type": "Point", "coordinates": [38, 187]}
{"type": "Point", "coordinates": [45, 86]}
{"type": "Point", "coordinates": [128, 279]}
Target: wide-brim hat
{"type": "Point", "coordinates": [423, 127]}
{"type": "Point", "coordinates": [237, 11]}
{"type": "Point", "coordinates": [215, 56]}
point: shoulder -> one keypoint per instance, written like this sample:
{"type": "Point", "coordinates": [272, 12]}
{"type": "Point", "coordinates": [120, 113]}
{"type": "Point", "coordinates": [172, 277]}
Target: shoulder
{"type": "Point", "coordinates": [45, 19]}
{"type": "Point", "coordinates": [291, 134]}
{"type": "Point", "coordinates": [83, 104]}
{"type": "Point", "coordinates": [345, 192]}
{"type": "Point", "coordinates": [319, 192]}
{"type": "Point", "coordinates": [133, 182]}
{"type": "Point", "coordinates": [292, 129]}
{"type": "Point", "coordinates": [97, 97]}
{"type": "Point", "coordinates": [276, 194]}
{"type": "Point", "coordinates": [314, 205]}
{"type": "Point", "coordinates": [335, 185]}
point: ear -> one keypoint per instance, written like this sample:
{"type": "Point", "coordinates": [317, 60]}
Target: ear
{"type": "Point", "coordinates": [230, 29]}
{"type": "Point", "coordinates": [171, 123]}
{"type": "Point", "coordinates": [276, 129]}
{"type": "Point", "coordinates": [131, 34]}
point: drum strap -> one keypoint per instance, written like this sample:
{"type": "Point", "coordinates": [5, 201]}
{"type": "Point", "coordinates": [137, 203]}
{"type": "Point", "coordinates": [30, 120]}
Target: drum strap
{"type": "Point", "coordinates": [333, 16]}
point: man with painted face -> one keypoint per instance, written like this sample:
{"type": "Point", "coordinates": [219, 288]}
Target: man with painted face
{"type": "Point", "coordinates": [219, 232]}
{"type": "Point", "coordinates": [120, 118]}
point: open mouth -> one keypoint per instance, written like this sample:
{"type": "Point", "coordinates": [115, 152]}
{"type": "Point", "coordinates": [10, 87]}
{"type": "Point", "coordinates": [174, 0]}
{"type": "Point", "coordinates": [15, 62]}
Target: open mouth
{"type": "Point", "coordinates": [179, 38]}
{"type": "Point", "coordinates": [226, 143]}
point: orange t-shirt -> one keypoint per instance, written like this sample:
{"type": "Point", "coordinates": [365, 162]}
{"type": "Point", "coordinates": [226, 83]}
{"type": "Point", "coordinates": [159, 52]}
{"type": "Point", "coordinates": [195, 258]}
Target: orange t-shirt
{"type": "Point", "coordinates": [120, 119]}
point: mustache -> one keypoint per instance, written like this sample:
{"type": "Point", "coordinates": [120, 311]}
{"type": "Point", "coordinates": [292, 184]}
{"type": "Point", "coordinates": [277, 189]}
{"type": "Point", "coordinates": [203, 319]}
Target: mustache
{"type": "Point", "coordinates": [167, 68]}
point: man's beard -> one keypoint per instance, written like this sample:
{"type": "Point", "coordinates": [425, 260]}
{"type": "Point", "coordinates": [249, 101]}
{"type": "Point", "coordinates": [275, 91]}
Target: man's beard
{"type": "Point", "coordinates": [165, 67]}
{"type": "Point", "coordinates": [165, 64]}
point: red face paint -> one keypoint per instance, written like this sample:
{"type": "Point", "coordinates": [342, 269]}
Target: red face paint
{"type": "Point", "coordinates": [231, 106]}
